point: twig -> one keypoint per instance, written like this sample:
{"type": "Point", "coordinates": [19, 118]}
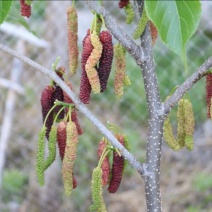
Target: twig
{"type": "Point", "coordinates": [141, 168]}
{"type": "Point", "coordinates": [187, 85]}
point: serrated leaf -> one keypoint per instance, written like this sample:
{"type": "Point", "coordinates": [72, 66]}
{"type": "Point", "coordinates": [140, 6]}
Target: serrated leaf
{"type": "Point", "coordinates": [5, 6]}
{"type": "Point", "coordinates": [176, 21]}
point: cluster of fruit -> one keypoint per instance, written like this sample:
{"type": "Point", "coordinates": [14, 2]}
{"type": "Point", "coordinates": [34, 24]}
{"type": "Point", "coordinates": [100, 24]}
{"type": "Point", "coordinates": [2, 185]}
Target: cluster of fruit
{"type": "Point", "coordinates": [57, 107]}
{"type": "Point", "coordinates": [185, 127]}
{"type": "Point", "coordinates": [96, 62]}
{"type": "Point", "coordinates": [104, 174]}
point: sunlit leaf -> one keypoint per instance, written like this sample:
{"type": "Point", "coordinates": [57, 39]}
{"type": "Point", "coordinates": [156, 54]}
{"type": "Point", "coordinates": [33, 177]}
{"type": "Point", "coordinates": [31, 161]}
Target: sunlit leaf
{"type": "Point", "coordinates": [176, 21]}
{"type": "Point", "coordinates": [5, 6]}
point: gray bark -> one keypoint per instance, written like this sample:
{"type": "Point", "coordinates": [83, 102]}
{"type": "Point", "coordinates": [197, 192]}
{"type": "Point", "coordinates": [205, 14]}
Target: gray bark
{"type": "Point", "coordinates": [155, 129]}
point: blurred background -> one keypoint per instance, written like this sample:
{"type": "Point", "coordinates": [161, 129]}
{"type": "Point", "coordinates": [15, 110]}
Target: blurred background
{"type": "Point", "coordinates": [186, 177]}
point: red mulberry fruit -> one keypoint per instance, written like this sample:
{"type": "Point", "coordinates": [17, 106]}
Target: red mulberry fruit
{"type": "Point", "coordinates": [208, 93]}
{"type": "Point", "coordinates": [61, 138]}
{"type": "Point", "coordinates": [106, 59]}
{"type": "Point", "coordinates": [105, 164]}
{"type": "Point", "coordinates": [123, 3]}
{"type": "Point", "coordinates": [117, 168]}
{"type": "Point", "coordinates": [85, 87]}
{"type": "Point", "coordinates": [58, 95]}
{"type": "Point", "coordinates": [47, 102]}
{"type": "Point", "coordinates": [25, 9]}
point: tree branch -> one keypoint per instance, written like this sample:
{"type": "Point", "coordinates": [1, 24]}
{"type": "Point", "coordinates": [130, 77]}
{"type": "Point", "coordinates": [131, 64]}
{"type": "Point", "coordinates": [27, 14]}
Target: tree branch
{"type": "Point", "coordinates": [141, 168]}
{"type": "Point", "coordinates": [133, 49]}
{"type": "Point", "coordinates": [155, 126]}
{"type": "Point", "coordinates": [187, 85]}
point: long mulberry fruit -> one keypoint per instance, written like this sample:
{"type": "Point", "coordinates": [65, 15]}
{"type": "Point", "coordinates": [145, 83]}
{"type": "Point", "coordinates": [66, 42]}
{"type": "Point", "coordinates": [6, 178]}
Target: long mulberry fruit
{"type": "Point", "coordinates": [72, 21]}
{"type": "Point", "coordinates": [120, 72]}
{"type": "Point", "coordinates": [106, 59]}
{"type": "Point", "coordinates": [47, 101]}
{"type": "Point", "coordinates": [208, 93]}
{"type": "Point", "coordinates": [61, 138]}
{"type": "Point", "coordinates": [69, 157]}
{"type": "Point", "coordinates": [105, 164]}
{"type": "Point", "coordinates": [96, 190]}
{"type": "Point", "coordinates": [51, 147]}
{"type": "Point", "coordinates": [169, 135]}
{"type": "Point", "coordinates": [189, 125]}
{"type": "Point", "coordinates": [141, 25]}
{"type": "Point", "coordinates": [25, 8]}
{"type": "Point", "coordinates": [85, 87]}
{"type": "Point", "coordinates": [117, 169]}
{"type": "Point", "coordinates": [181, 123]}
{"type": "Point", "coordinates": [92, 61]}
{"type": "Point", "coordinates": [129, 12]}
{"type": "Point", "coordinates": [61, 141]}
{"type": "Point", "coordinates": [40, 156]}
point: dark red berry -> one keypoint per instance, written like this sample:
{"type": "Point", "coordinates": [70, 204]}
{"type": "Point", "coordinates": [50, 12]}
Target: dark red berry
{"type": "Point", "coordinates": [85, 87]}
{"type": "Point", "coordinates": [61, 138]}
{"type": "Point", "coordinates": [106, 59]}
{"type": "Point", "coordinates": [25, 9]}
{"type": "Point", "coordinates": [47, 101]}
{"type": "Point", "coordinates": [117, 168]}
{"type": "Point", "coordinates": [105, 164]}
{"type": "Point", "coordinates": [58, 95]}
{"type": "Point", "coordinates": [123, 3]}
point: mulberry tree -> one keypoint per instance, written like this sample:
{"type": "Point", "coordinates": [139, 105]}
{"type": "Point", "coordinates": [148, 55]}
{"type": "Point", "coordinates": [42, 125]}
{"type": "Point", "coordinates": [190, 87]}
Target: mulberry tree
{"type": "Point", "coordinates": [174, 22]}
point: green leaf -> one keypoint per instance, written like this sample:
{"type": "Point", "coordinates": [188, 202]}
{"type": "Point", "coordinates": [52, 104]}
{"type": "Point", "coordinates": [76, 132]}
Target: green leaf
{"type": "Point", "coordinates": [5, 6]}
{"type": "Point", "coordinates": [176, 21]}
